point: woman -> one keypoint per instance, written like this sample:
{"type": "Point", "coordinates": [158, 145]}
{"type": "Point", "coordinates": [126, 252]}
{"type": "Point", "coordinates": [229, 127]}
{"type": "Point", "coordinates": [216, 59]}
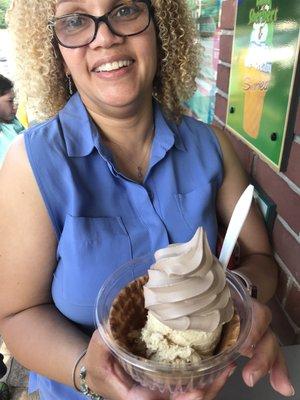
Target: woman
{"type": "Point", "coordinates": [114, 175]}
{"type": "Point", "coordinates": [10, 127]}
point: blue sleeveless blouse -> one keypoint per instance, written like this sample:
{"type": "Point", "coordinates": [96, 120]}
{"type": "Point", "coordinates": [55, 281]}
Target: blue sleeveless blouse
{"type": "Point", "coordinates": [103, 219]}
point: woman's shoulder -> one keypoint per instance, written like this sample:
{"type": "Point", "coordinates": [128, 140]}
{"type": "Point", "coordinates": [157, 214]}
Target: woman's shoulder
{"type": "Point", "coordinates": [193, 123]}
{"type": "Point", "coordinates": [17, 153]}
{"type": "Point", "coordinates": [47, 138]}
{"type": "Point", "coordinates": [203, 131]}
{"type": "Point", "coordinates": [202, 134]}
{"type": "Point", "coordinates": [44, 128]}
{"type": "Point", "coordinates": [16, 164]}
{"type": "Point", "coordinates": [17, 182]}
{"type": "Point", "coordinates": [226, 145]}
{"type": "Point", "coordinates": [198, 128]}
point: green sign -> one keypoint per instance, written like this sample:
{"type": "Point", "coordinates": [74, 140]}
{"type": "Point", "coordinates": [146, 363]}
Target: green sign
{"type": "Point", "coordinates": [264, 61]}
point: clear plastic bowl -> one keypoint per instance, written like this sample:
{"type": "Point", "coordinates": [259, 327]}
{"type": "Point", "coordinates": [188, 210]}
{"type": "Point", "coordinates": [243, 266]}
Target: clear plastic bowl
{"type": "Point", "coordinates": [155, 375]}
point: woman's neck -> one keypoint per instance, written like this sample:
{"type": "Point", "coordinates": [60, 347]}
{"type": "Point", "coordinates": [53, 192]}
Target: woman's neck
{"type": "Point", "coordinates": [130, 129]}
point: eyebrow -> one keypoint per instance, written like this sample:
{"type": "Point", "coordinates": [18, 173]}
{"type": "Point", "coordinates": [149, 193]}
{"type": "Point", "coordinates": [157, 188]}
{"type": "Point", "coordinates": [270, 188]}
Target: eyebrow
{"type": "Point", "coordinates": [65, 1]}
{"type": "Point", "coordinates": [70, 1]}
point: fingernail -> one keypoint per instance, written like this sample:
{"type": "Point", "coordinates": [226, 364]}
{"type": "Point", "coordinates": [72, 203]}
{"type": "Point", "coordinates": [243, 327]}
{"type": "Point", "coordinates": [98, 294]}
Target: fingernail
{"type": "Point", "coordinates": [292, 390]}
{"type": "Point", "coordinates": [253, 378]}
{"type": "Point", "coordinates": [231, 372]}
{"type": "Point", "coordinates": [198, 396]}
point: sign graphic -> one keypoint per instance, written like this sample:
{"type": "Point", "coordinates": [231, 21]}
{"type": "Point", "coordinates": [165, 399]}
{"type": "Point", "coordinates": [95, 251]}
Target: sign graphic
{"type": "Point", "coordinates": [264, 61]}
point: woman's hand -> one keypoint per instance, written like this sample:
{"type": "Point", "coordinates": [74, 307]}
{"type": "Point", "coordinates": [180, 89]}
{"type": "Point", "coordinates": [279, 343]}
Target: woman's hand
{"type": "Point", "coordinates": [266, 356]}
{"type": "Point", "coordinates": [105, 376]}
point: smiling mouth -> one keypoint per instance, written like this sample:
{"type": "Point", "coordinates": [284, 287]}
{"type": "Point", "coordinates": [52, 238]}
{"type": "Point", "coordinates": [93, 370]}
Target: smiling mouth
{"type": "Point", "coordinates": [114, 66]}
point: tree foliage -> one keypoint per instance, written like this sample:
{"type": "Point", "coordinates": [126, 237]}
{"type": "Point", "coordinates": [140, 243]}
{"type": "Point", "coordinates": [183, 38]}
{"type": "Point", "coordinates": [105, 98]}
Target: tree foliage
{"type": "Point", "coordinates": [4, 4]}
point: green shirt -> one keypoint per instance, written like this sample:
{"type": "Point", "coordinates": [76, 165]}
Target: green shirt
{"type": "Point", "coordinates": [7, 134]}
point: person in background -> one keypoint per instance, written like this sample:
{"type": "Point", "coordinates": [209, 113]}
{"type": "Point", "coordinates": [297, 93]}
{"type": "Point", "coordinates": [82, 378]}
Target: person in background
{"type": "Point", "coordinates": [116, 172]}
{"type": "Point", "coordinates": [10, 126]}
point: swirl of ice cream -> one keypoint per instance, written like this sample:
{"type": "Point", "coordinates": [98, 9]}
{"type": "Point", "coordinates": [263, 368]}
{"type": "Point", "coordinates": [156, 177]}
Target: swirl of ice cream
{"type": "Point", "coordinates": [187, 287]}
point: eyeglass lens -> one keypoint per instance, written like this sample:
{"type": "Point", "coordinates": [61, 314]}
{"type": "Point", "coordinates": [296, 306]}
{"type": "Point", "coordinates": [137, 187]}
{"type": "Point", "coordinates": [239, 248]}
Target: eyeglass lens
{"type": "Point", "coordinates": [75, 30]}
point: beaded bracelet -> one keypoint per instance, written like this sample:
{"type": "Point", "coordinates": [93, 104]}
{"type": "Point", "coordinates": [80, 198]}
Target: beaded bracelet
{"type": "Point", "coordinates": [74, 369]}
{"type": "Point", "coordinates": [84, 387]}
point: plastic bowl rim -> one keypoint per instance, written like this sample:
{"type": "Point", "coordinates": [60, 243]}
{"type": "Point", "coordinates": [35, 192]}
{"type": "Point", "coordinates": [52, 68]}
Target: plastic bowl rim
{"type": "Point", "coordinates": [204, 366]}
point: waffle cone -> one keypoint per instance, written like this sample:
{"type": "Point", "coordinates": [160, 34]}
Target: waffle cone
{"type": "Point", "coordinates": [128, 316]}
{"type": "Point", "coordinates": [255, 87]}
{"type": "Point", "coordinates": [230, 334]}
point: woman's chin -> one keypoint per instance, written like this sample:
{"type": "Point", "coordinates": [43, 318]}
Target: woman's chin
{"type": "Point", "coordinates": [122, 102]}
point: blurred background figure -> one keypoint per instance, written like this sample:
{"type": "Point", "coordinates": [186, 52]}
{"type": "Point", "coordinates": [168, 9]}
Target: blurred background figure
{"type": "Point", "coordinates": [10, 126]}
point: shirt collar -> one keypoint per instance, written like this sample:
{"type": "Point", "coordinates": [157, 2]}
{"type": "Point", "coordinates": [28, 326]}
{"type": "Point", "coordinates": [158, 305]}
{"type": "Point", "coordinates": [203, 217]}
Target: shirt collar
{"type": "Point", "coordinates": [81, 134]}
{"type": "Point", "coordinates": [166, 132]}
{"type": "Point", "coordinates": [79, 130]}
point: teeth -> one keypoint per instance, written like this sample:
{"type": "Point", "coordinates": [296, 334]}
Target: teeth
{"type": "Point", "coordinates": [113, 66]}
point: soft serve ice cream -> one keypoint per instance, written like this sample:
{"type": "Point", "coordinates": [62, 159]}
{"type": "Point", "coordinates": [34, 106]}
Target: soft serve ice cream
{"type": "Point", "coordinates": [188, 302]}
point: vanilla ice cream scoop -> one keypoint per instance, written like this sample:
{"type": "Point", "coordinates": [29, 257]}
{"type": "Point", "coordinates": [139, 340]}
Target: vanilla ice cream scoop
{"type": "Point", "coordinates": [188, 302]}
{"type": "Point", "coordinates": [187, 287]}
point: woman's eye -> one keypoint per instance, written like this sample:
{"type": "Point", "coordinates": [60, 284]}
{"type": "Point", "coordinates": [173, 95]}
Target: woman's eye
{"type": "Point", "coordinates": [126, 11]}
{"type": "Point", "coordinates": [74, 22]}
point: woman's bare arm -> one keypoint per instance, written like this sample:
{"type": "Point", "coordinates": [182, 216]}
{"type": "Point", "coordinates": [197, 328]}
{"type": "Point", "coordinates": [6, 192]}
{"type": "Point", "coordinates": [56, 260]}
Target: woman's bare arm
{"type": "Point", "coordinates": [257, 261]}
{"type": "Point", "coordinates": [33, 329]}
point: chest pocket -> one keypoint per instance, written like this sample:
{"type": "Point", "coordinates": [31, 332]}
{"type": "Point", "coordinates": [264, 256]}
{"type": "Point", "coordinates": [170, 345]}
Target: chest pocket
{"type": "Point", "coordinates": [197, 208]}
{"type": "Point", "coordinates": [89, 250]}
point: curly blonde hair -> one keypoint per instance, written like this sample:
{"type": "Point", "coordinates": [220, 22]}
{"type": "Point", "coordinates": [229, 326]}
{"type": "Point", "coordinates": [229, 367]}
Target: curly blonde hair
{"type": "Point", "coordinates": [40, 78]}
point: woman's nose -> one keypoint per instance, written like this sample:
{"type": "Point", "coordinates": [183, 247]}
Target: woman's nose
{"type": "Point", "coordinates": [105, 37]}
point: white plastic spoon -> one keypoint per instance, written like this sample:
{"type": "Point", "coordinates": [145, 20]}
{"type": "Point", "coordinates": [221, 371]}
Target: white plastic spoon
{"type": "Point", "coordinates": [236, 222]}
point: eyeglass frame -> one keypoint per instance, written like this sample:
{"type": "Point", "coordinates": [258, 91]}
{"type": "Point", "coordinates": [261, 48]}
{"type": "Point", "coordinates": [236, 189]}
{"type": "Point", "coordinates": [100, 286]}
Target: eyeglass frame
{"type": "Point", "coordinates": [98, 20]}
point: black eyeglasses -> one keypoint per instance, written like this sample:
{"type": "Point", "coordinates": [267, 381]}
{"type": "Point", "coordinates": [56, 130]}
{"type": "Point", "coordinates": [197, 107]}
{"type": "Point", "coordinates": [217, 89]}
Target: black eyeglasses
{"type": "Point", "coordinates": [78, 30]}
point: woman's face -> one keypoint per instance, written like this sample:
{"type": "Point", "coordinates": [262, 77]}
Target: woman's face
{"type": "Point", "coordinates": [7, 107]}
{"type": "Point", "coordinates": [90, 66]}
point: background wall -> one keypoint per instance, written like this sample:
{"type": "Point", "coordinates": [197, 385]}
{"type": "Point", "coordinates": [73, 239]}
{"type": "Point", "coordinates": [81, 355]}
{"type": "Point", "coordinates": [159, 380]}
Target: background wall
{"type": "Point", "coordinates": [283, 188]}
